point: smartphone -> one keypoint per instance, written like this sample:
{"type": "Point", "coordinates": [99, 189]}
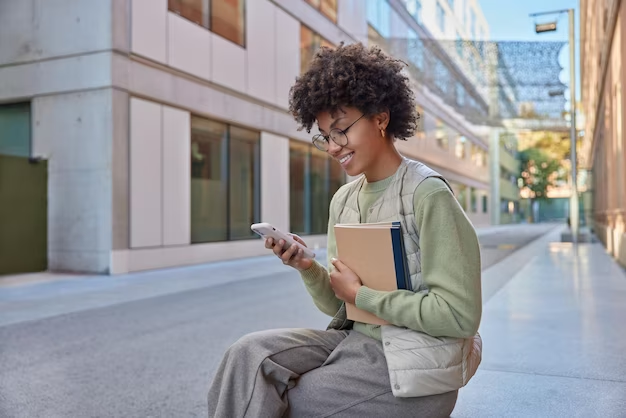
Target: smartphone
{"type": "Point", "coordinates": [266, 230]}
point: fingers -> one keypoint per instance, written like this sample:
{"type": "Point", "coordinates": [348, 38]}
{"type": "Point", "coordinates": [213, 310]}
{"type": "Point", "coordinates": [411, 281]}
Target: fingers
{"type": "Point", "coordinates": [289, 253]}
{"type": "Point", "coordinates": [338, 264]}
{"type": "Point", "coordinates": [290, 256]}
{"type": "Point", "coordinates": [298, 239]}
{"type": "Point", "coordinates": [278, 248]}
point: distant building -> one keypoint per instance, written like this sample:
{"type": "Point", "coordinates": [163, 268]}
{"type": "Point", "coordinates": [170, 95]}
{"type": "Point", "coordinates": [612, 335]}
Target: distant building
{"type": "Point", "coordinates": [161, 128]}
{"type": "Point", "coordinates": [603, 153]}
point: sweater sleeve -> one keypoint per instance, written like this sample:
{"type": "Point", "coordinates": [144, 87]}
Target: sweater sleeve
{"type": "Point", "coordinates": [451, 269]}
{"type": "Point", "coordinates": [317, 278]}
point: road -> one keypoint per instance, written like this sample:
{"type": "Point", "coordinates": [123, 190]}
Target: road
{"type": "Point", "coordinates": [147, 345]}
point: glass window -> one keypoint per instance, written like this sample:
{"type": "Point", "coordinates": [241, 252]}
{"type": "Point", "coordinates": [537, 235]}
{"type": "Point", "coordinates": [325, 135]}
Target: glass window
{"type": "Point", "coordinates": [319, 177]}
{"type": "Point", "coordinates": [327, 7]}
{"type": "Point", "coordinates": [379, 16]}
{"type": "Point", "coordinates": [485, 203]}
{"type": "Point", "coordinates": [415, 49]}
{"type": "Point", "coordinates": [478, 156]}
{"type": "Point", "coordinates": [442, 77]}
{"type": "Point", "coordinates": [460, 94]}
{"type": "Point", "coordinates": [310, 42]}
{"type": "Point", "coordinates": [228, 20]}
{"type": "Point", "coordinates": [196, 11]}
{"type": "Point", "coordinates": [314, 179]}
{"type": "Point", "coordinates": [441, 135]}
{"type": "Point", "coordinates": [459, 149]}
{"type": "Point", "coordinates": [225, 162]}
{"type": "Point", "coordinates": [473, 200]}
{"type": "Point", "coordinates": [244, 187]}
{"type": "Point", "coordinates": [298, 187]}
{"type": "Point", "coordinates": [15, 130]}
{"type": "Point", "coordinates": [223, 17]}
{"type": "Point", "coordinates": [209, 195]}
{"type": "Point", "coordinates": [441, 18]}
{"type": "Point", "coordinates": [414, 7]}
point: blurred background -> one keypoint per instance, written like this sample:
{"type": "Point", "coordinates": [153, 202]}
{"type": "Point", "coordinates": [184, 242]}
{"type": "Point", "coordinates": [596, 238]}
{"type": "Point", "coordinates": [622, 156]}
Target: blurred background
{"type": "Point", "coordinates": [152, 133]}
{"type": "Point", "coordinates": [140, 139]}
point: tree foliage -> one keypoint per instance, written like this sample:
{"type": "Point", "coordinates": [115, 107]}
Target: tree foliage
{"type": "Point", "coordinates": [539, 171]}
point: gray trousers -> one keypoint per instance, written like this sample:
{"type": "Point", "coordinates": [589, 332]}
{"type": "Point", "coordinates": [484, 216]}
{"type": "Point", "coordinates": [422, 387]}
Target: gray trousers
{"type": "Point", "coordinates": [311, 373]}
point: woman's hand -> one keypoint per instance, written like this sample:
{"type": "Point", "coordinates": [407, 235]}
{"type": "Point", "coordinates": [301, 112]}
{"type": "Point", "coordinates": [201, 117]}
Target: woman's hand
{"type": "Point", "coordinates": [344, 282]}
{"type": "Point", "coordinates": [293, 256]}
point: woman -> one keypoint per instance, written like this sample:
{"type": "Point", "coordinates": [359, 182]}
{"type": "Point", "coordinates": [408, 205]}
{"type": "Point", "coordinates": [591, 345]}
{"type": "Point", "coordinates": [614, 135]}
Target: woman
{"type": "Point", "coordinates": [361, 103]}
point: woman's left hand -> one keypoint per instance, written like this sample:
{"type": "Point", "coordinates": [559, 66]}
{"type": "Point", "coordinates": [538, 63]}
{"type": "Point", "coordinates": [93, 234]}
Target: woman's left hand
{"type": "Point", "coordinates": [344, 282]}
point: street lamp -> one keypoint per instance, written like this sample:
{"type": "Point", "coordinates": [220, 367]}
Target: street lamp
{"type": "Point", "coordinates": [549, 27]}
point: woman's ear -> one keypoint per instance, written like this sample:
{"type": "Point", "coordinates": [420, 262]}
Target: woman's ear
{"type": "Point", "coordinates": [382, 119]}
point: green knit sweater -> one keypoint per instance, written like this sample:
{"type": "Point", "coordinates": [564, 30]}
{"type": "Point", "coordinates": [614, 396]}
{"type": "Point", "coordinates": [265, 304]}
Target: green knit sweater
{"type": "Point", "coordinates": [451, 269]}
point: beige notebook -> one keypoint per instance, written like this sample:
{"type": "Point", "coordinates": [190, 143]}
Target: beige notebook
{"type": "Point", "coordinates": [375, 252]}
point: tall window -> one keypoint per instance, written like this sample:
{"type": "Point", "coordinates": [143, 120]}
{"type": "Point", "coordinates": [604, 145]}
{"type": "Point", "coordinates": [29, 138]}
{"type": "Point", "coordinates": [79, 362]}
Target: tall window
{"type": "Point", "coordinates": [15, 130]}
{"type": "Point", "coordinates": [225, 175]}
{"type": "Point", "coordinates": [415, 49]}
{"type": "Point", "coordinates": [441, 135]}
{"type": "Point", "coordinates": [478, 155]}
{"type": "Point", "coordinates": [327, 7]}
{"type": "Point", "coordinates": [414, 7]}
{"type": "Point", "coordinates": [223, 17]}
{"type": "Point", "coordinates": [460, 94]}
{"type": "Point", "coordinates": [441, 18]}
{"type": "Point", "coordinates": [474, 200]}
{"type": "Point", "coordinates": [314, 179]}
{"type": "Point", "coordinates": [310, 42]}
{"type": "Point", "coordinates": [379, 16]}
{"type": "Point", "coordinates": [460, 150]}
{"type": "Point", "coordinates": [442, 77]}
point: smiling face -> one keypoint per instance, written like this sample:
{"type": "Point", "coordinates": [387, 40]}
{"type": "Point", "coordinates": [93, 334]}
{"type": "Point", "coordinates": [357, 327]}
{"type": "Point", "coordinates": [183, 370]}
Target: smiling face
{"type": "Point", "coordinates": [365, 142]}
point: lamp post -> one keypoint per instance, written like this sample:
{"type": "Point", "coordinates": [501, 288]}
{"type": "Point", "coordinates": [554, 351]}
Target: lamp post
{"type": "Point", "coordinates": [548, 27]}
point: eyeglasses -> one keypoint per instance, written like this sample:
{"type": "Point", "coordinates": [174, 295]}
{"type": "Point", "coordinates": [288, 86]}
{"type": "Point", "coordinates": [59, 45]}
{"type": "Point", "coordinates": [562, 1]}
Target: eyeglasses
{"type": "Point", "coordinates": [338, 136]}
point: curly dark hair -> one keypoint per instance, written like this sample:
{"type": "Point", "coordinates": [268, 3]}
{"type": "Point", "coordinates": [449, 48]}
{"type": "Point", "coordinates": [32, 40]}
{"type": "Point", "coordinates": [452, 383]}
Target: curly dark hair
{"type": "Point", "coordinates": [355, 76]}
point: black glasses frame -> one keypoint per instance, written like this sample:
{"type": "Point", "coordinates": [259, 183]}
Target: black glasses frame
{"type": "Point", "coordinates": [338, 136]}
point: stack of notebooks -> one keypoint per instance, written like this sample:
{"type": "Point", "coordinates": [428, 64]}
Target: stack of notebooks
{"type": "Point", "coordinates": [375, 252]}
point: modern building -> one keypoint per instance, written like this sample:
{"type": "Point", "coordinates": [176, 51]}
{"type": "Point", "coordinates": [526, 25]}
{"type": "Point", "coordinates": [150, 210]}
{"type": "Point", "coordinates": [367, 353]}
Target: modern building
{"type": "Point", "coordinates": [152, 133]}
{"type": "Point", "coordinates": [603, 153]}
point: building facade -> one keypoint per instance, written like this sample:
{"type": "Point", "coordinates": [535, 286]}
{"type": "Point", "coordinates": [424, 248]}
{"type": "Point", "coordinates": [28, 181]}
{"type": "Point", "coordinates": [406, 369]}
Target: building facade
{"type": "Point", "coordinates": [163, 129]}
{"type": "Point", "coordinates": [603, 154]}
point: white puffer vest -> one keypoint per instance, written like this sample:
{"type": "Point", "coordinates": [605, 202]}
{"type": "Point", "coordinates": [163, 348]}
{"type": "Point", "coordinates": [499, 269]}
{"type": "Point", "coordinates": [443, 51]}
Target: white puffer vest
{"type": "Point", "coordinates": [419, 365]}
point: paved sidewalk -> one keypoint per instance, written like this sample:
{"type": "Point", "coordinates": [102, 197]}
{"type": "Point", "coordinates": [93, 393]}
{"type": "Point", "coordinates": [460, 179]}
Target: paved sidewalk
{"type": "Point", "coordinates": [553, 335]}
{"type": "Point", "coordinates": [43, 295]}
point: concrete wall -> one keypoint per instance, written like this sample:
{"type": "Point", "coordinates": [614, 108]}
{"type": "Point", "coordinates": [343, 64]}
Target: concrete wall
{"type": "Point", "coordinates": [36, 30]}
{"type": "Point", "coordinates": [265, 69]}
{"type": "Point", "coordinates": [74, 132]}
{"type": "Point", "coordinates": [113, 85]}
{"type": "Point", "coordinates": [604, 145]}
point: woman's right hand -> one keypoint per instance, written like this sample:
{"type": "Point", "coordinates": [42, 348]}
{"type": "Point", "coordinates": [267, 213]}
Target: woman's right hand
{"type": "Point", "coordinates": [293, 256]}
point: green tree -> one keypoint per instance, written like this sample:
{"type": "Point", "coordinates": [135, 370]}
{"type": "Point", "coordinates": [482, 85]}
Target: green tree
{"type": "Point", "coordinates": [538, 172]}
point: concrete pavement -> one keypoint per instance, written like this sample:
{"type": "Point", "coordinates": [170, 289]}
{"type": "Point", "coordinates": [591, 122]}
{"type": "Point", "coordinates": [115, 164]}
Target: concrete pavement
{"type": "Point", "coordinates": [147, 344]}
{"type": "Point", "coordinates": [553, 334]}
